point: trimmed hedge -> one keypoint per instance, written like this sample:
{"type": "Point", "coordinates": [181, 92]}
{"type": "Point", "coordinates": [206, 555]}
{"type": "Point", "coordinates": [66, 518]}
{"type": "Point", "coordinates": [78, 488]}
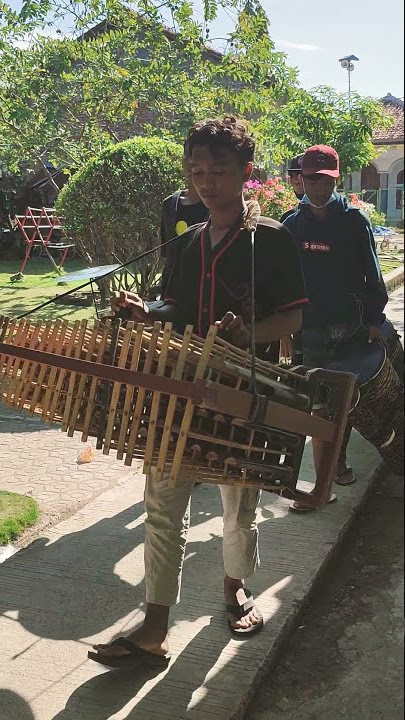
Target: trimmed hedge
{"type": "Point", "coordinates": [113, 204]}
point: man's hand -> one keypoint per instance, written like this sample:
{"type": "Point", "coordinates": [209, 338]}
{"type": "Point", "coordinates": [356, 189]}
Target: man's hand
{"type": "Point", "coordinates": [375, 333]}
{"type": "Point", "coordinates": [137, 307]}
{"type": "Point", "coordinates": [286, 352]}
{"type": "Point", "coordinates": [235, 329]}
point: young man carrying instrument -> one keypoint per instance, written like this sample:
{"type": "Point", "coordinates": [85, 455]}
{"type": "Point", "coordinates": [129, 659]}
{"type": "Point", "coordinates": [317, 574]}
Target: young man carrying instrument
{"type": "Point", "coordinates": [211, 284]}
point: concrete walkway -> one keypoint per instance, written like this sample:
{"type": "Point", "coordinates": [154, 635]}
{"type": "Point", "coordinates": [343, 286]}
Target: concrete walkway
{"type": "Point", "coordinates": [395, 310]}
{"type": "Point", "coordinates": [346, 658]}
{"type": "Point", "coordinates": [39, 460]}
{"type": "Point", "coordinates": [83, 581]}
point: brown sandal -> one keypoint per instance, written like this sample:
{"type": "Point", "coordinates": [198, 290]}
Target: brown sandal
{"type": "Point", "coordinates": [240, 611]}
{"type": "Point", "coordinates": [345, 476]}
{"type": "Point", "coordinates": [297, 507]}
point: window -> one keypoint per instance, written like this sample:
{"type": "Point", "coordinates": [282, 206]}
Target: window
{"type": "Point", "coordinates": [399, 195]}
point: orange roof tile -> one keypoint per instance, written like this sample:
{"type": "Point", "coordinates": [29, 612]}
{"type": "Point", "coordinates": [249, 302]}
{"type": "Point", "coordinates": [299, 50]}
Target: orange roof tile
{"type": "Point", "coordinates": [395, 133]}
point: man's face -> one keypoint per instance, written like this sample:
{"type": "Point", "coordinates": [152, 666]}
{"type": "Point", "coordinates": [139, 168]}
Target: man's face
{"type": "Point", "coordinates": [218, 179]}
{"type": "Point", "coordinates": [318, 188]}
{"type": "Point", "coordinates": [295, 179]}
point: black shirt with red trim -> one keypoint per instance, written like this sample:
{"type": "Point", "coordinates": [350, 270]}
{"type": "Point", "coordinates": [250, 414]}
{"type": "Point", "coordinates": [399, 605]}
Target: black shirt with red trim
{"type": "Point", "coordinates": [207, 283]}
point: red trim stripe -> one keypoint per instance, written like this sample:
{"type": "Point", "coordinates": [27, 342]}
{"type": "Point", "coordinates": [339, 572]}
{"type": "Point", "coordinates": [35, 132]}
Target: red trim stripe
{"type": "Point", "coordinates": [302, 301]}
{"type": "Point", "coordinates": [202, 250]}
{"type": "Point", "coordinates": [221, 252]}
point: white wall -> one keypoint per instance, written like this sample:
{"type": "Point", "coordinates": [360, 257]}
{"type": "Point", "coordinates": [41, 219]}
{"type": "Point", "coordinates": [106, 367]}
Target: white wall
{"type": "Point", "coordinates": [389, 155]}
{"type": "Point", "coordinates": [389, 162]}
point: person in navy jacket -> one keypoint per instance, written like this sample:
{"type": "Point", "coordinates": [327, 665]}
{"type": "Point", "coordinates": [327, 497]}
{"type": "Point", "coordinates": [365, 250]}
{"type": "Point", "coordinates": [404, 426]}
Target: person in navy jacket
{"type": "Point", "coordinates": [344, 283]}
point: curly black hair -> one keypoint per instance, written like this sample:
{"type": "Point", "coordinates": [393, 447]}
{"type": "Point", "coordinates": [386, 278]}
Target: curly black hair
{"type": "Point", "coordinates": [227, 134]}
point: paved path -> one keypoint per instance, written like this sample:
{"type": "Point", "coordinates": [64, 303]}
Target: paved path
{"type": "Point", "coordinates": [83, 581]}
{"type": "Point", "coordinates": [396, 310]}
{"type": "Point", "coordinates": [346, 658]}
{"type": "Point", "coordinates": [39, 460]}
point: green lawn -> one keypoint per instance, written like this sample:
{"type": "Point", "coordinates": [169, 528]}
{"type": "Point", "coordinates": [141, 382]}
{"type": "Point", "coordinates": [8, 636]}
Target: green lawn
{"type": "Point", "coordinates": [388, 265]}
{"type": "Point", "coordinates": [40, 283]}
{"type": "Point", "coordinates": [17, 512]}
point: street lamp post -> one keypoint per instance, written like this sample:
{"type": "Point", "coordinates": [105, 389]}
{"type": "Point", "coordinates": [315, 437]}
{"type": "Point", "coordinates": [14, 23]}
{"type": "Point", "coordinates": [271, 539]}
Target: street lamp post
{"type": "Point", "coordinates": [346, 63]}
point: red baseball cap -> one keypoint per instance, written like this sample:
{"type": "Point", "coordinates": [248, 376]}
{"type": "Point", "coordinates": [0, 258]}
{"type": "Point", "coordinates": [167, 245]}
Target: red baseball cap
{"type": "Point", "coordinates": [320, 160]}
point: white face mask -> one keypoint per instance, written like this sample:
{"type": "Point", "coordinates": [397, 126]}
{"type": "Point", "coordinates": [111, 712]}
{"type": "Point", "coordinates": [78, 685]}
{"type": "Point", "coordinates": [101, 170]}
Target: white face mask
{"type": "Point", "coordinates": [307, 201]}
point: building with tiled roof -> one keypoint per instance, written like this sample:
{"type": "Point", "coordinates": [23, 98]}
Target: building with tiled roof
{"type": "Point", "coordinates": [393, 135]}
{"type": "Point", "coordinates": [383, 179]}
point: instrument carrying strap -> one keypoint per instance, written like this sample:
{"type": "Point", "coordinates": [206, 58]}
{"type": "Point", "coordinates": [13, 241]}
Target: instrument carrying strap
{"type": "Point", "coordinates": [252, 384]}
{"type": "Point", "coordinates": [251, 219]}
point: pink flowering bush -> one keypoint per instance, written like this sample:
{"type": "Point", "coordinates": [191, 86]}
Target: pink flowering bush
{"type": "Point", "coordinates": [368, 209]}
{"type": "Point", "coordinates": [274, 196]}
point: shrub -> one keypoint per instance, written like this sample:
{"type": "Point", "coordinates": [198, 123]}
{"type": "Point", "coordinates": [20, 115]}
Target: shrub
{"type": "Point", "coordinates": [274, 196]}
{"type": "Point", "coordinates": [112, 205]}
{"type": "Point", "coordinates": [368, 209]}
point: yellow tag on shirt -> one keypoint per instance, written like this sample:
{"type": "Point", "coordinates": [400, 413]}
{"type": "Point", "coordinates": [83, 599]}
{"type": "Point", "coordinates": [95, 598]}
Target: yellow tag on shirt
{"type": "Point", "coordinates": [181, 227]}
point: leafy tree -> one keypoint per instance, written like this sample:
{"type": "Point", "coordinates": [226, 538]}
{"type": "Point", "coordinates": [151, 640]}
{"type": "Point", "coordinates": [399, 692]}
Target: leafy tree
{"type": "Point", "coordinates": [323, 116]}
{"type": "Point", "coordinates": [70, 96]}
{"type": "Point", "coordinates": [112, 205]}
{"type": "Point", "coordinates": [67, 97]}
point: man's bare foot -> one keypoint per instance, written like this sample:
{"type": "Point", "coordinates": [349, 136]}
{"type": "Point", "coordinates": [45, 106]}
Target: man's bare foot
{"type": "Point", "coordinates": [235, 594]}
{"type": "Point", "coordinates": [151, 636]}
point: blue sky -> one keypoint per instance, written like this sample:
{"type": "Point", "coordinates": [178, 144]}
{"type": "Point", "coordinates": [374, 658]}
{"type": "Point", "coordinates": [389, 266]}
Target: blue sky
{"type": "Point", "coordinates": [316, 33]}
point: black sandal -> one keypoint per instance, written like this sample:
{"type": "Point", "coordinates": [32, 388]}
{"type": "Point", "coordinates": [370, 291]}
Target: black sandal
{"type": "Point", "coordinates": [241, 611]}
{"type": "Point", "coordinates": [136, 657]}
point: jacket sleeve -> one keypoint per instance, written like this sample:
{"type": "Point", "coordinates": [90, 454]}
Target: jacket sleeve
{"type": "Point", "coordinates": [376, 292]}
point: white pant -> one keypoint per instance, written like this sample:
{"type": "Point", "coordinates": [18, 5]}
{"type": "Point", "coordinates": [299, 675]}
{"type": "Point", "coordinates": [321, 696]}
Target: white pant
{"type": "Point", "coordinates": [167, 523]}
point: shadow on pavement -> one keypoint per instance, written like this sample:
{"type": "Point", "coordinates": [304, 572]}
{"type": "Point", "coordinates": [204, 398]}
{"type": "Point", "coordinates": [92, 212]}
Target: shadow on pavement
{"type": "Point", "coordinates": [77, 573]}
{"type": "Point", "coordinates": [14, 707]}
{"type": "Point", "coordinates": [71, 589]}
{"type": "Point", "coordinates": [18, 421]}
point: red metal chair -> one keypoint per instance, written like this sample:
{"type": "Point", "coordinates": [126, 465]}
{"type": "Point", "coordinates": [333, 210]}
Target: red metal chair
{"type": "Point", "coordinates": [38, 227]}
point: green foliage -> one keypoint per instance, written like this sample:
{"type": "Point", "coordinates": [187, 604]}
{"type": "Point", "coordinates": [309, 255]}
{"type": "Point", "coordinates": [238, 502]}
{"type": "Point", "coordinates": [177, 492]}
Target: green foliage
{"type": "Point", "coordinates": [17, 512]}
{"type": "Point", "coordinates": [73, 95]}
{"type": "Point", "coordinates": [323, 116]}
{"type": "Point", "coordinates": [377, 218]}
{"type": "Point", "coordinates": [68, 97]}
{"type": "Point", "coordinates": [113, 204]}
{"type": "Point", "coordinates": [368, 209]}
